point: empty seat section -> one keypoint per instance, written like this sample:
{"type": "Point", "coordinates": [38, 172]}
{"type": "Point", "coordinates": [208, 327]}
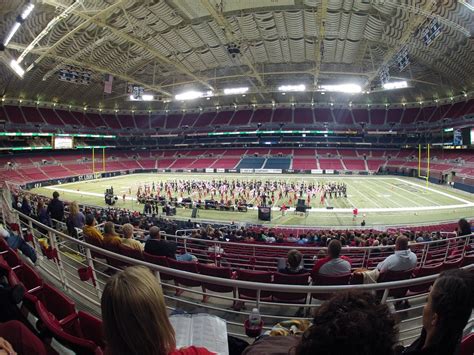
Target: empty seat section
{"type": "Point", "coordinates": [195, 153]}
{"type": "Point", "coordinates": [14, 114]}
{"type": "Point", "coordinates": [32, 115]}
{"type": "Point", "coordinates": [126, 121]}
{"type": "Point", "coordinates": [202, 163]}
{"type": "Point", "coordinates": [251, 163]}
{"type": "Point", "coordinates": [84, 120]}
{"type": "Point", "coordinates": [342, 116]}
{"type": "Point", "coordinates": [347, 152]}
{"type": "Point", "coordinates": [259, 151]}
{"type": "Point", "coordinates": [157, 121]}
{"type": "Point", "coordinates": [377, 116]}
{"type": "Point", "coordinates": [181, 163]}
{"type": "Point", "coordinates": [205, 119]}
{"type": "Point", "coordinates": [173, 120]}
{"type": "Point", "coordinates": [284, 115]}
{"type": "Point", "coordinates": [79, 169]}
{"type": "Point", "coordinates": [226, 163]}
{"type": "Point", "coordinates": [454, 110]}
{"type": "Point", "coordinates": [262, 116]}
{"type": "Point", "coordinates": [360, 115]}
{"type": "Point", "coordinates": [189, 119]}
{"type": "Point", "coordinates": [142, 121]}
{"type": "Point", "coordinates": [394, 115]}
{"type": "Point", "coordinates": [374, 165]}
{"type": "Point", "coordinates": [277, 163]}
{"type": "Point", "coordinates": [303, 116]}
{"type": "Point", "coordinates": [50, 117]}
{"type": "Point", "coordinates": [334, 164]}
{"type": "Point", "coordinates": [425, 113]}
{"type": "Point", "coordinates": [223, 118]}
{"type": "Point", "coordinates": [354, 164]}
{"type": "Point", "coordinates": [111, 121]}
{"type": "Point", "coordinates": [304, 152]}
{"type": "Point", "coordinates": [95, 120]}
{"type": "Point", "coordinates": [323, 115]}
{"type": "Point", "coordinates": [440, 113]}
{"type": "Point", "coordinates": [283, 151]}
{"type": "Point", "coordinates": [410, 115]}
{"type": "Point", "coordinates": [148, 163]}
{"type": "Point", "coordinates": [164, 163]}
{"type": "Point", "coordinates": [55, 171]}
{"type": "Point", "coordinates": [241, 118]}
{"type": "Point", "coordinates": [304, 164]}
{"type": "Point", "coordinates": [327, 152]}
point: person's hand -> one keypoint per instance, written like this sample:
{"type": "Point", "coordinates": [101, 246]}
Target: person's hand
{"type": "Point", "coordinates": [6, 348]}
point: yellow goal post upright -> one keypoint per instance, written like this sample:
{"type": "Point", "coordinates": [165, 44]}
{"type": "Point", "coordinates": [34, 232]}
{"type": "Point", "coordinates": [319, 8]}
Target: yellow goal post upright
{"type": "Point", "coordinates": [94, 171]}
{"type": "Point", "coordinates": [427, 167]}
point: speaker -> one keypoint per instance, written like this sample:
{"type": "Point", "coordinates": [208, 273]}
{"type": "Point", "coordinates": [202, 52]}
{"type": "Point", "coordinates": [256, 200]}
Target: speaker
{"type": "Point", "coordinates": [264, 213]}
{"type": "Point", "coordinates": [194, 212]}
{"type": "Point", "coordinates": [329, 207]}
{"type": "Point", "coordinates": [300, 202]}
{"type": "Point", "coordinates": [300, 208]}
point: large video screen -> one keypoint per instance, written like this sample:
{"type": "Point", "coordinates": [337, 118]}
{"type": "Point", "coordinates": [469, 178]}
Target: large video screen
{"type": "Point", "coordinates": [63, 143]}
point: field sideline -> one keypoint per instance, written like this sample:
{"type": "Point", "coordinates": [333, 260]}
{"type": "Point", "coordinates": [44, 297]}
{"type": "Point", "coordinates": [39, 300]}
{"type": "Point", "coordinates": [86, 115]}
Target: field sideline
{"type": "Point", "coordinates": [384, 200]}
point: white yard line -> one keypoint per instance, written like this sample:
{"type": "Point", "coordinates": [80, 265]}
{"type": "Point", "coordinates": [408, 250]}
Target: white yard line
{"type": "Point", "coordinates": [86, 193]}
{"type": "Point", "coordinates": [433, 190]}
{"type": "Point", "coordinates": [411, 200]}
{"type": "Point", "coordinates": [365, 197]}
{"type": "Point", "coordinates": [376, 193]}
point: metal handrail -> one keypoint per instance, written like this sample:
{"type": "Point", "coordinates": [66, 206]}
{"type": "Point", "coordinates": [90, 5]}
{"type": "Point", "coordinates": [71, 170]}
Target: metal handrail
{"type": "Point", "coordinates": [239, 283]}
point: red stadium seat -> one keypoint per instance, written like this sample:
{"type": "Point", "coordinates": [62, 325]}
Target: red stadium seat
{"type": "Point", "coordinates": [56, 303]}
{"type": "Point", "coordinates": [467, 345]}
{"type": "Point", "coordinates": [389, 276]}
{"type": "Point", "coordinates": [53, 328]}
{"type": "Point", "coordinates": [424, 271]}
{"type": "Point", "coordinates": [453, 264]}
{"type": "Point", "coordinates": [216, 271]}
{"type": "Point", "coordinates": [189, 266]}
{"type": "Point", "coordinates": [254, 276]}
{"type": "Point", "coordinates": [130, 252]}
{"type": "Point", "coordinates": [158, 260]}
{"type": "Point", "coordinates": [29, 278]}
{"type": "Point", "coordinates": [12, 258]}
{"type": "Point", "coordinates": [322, 280]}
{"type": "Point", "coordinates": [286, 279]}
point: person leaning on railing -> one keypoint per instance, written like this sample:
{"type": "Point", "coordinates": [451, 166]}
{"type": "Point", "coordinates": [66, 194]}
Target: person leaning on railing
{"type": "Point", "coordinates": [445, 315]}
{"type": "Point", "coordinates": [135, 319]}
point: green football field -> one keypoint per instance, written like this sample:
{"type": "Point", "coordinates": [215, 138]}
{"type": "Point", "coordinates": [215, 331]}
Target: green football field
{"type": "Point", "coordinates": [381, 200]}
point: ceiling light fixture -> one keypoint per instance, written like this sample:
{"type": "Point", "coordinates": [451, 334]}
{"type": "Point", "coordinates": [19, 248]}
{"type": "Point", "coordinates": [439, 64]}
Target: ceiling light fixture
{"type": "Point", "coordinates": [344, 88]}
{"type": "Point", "coordinates": [191, 95]}
{"type": "Point", "coordinates": [235, 91]}
{"type": "Point", "coordinates": [395, 85]}
{"type": "Point", "coordinates": [300, 87]}
{"type": "Point", "coordinates": [17, 68]}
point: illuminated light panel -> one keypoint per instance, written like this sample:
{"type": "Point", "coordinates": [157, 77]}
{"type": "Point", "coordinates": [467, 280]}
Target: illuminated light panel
{"type": "Point", "coordinates": [395, 85]}
{"type": "Point", "coordinates": [345, 88]}
{"type": "Point", "coordinates": [17, 68]}
{"type": "Point", "coordinates": [235, 91]}
{"type": "Point", "coordinates": [191, 95]}
{"type": "Point", "coordinates": [300, 87]}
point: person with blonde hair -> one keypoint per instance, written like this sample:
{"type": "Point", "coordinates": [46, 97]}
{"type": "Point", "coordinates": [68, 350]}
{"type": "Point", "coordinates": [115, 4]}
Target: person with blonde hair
{"type": "Point", "coordinates": [134, 316]}
{"type": "Point", "coordinates": [128, 240]}
{"type": "Point", "coordinates": [111, 238]}
{"type": "Point", "coordinates": [76, 219]}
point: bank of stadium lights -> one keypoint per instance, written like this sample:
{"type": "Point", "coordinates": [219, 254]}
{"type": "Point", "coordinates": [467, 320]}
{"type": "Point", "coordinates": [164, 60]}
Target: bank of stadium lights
{"type": "Point", "coordinates": [19, 20]}
{"type": "Point", "coordinates": [293, 88]}
{"type": "Point", "coordinates": [17, 68]}
{"type": "Point", "coordinates": [192, 95]}
{"type": "Point", "coordinates": [144, 97]}
{"type": "Point", "coordinates": [236, 91]}
{"type": "Point", "coordinates": [395, 85]}
{"type": "Point", "coordinates": [343, 88]}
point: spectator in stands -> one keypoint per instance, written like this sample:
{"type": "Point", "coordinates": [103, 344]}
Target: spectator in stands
{"type": "Point", "coordinates": [128, 240]}
{"type": "Point", "coordinates": [42, 214]}
{"type": "Point", "coordinates": [135, 319]}
{"type": "Point", "coordinates": [464, 227]}
{"type": "Point", "coordinates": [111, 238]}
{"type": "Point", "coordinates": [333, 264]}
{"type": "Point", "coordinates": [445, 314]}
{"type": "Point", "coordinates": [25, 206]}
{"type": "Point", "coordinates": [75, 219]}
{"type": "Point", "coordinates": [403, 259]}
{"type": "Point", "coordinates": [293, 265]}
{"type": "Point", "coordinates": [90, 230]}
{"type": "Point", "coordinates": [157, 246]}
{"type": "Point", "coordinates": [350, 323]}
{"type": "Point", "coordinates": [16, 242]}
{"type": "Point", "coordinates": [56, 208]}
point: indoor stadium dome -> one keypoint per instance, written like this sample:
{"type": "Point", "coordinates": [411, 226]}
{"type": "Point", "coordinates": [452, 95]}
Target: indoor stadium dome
{"type": "Point", "coordinates": [299, 172]}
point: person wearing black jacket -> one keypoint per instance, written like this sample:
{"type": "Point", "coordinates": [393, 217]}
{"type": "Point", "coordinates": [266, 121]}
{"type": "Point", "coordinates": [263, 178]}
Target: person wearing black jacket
{"type": "Point", "coordinates": [56, 207]}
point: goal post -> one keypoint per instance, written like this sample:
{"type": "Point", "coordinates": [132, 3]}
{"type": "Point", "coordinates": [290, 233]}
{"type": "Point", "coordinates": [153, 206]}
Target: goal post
{"type": "Point", "coordinates": [426, 175]}
{"type": "Point", "coordinates": [94, 171]}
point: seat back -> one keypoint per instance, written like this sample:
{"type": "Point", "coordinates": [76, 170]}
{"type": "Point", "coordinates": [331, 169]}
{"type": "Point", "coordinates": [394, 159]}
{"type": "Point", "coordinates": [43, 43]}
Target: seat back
{"type": "Point", "coordinates": [467, 345]}
{"type": "Point", "coordinates": [56, 303]}
{"type": "Point", "coordinates": [95, 242]}
{"type": "Point", "coordinates": [453, 264]}
{"type": "Point", "coordinates": [79, 345]}
{"type": "Point", "coordinates": [12, 258]}
{"type": "Point", "coordinates": [158, 260]}
{"type": "Point", "coordinates": [254, 276]}
{"type": "Point", "coordinates": [388, 276]}
{"type": "Point", "coordinates": [216, 271]}
{"type": "Point", "coordinates": [88, 327]}
{"type": "Point", "coordinates": [286, 279]}
{"type": "Point", "coordinates": [326, 280]}
{"type": "Point", "coordinates": [189, 266]}
{"type": "Point", "coordinates": [425, 271]}
{"type": "Point", "coordinates": [130, 252]}
{"type": "Point", "coordinates": [28, 277]}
